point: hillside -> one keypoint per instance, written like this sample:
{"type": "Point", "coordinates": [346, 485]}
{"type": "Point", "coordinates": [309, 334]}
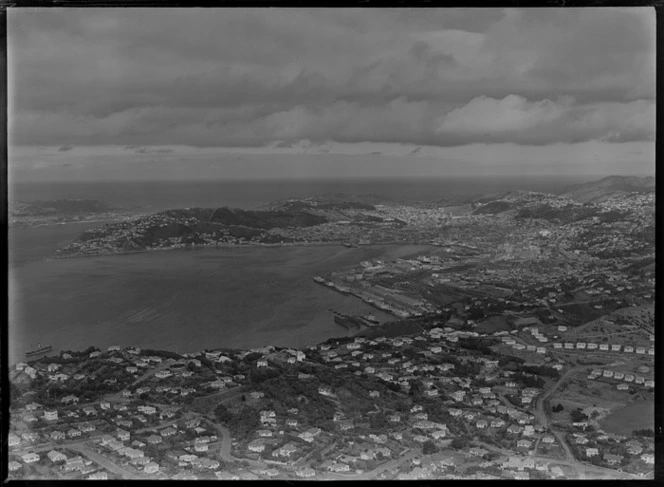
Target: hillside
{"type": "Point", "coordinates": [191, 226]}
{"type": "Point", "coordinates": [56, 207]}
{"type": "Point", "coordinates": [597, 191]}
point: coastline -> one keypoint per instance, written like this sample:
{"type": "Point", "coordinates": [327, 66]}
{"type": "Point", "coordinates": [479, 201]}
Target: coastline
{"type": "Point", "coordinates": [229, 245]}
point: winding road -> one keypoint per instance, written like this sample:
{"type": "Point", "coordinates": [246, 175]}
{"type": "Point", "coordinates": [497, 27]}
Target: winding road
{"type": "Point", "coordinates": [107, 464]}
{"type": "Point", "coordinates": [543, 419]}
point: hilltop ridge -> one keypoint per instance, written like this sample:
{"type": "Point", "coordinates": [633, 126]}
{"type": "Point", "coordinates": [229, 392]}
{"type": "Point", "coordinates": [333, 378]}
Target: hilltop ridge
{"type": "Point", "coordinates": [596, 191]}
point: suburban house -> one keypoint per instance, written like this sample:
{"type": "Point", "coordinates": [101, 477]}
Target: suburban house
{"type": "Point", "coordinates": [30, 457]}
{"type": "Point", "coordinates": [256, 446]}
{"type": "Point", "coordinates": [56, 456]}
{"type": "Point", "coordinates": [268, 418]}
{"type": "Point", "coordinates": [51, 415]}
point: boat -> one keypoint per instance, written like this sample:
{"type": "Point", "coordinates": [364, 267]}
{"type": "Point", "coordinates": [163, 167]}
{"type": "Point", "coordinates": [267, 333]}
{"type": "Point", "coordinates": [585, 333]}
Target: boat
{"type": "Point", "coordinates": [371, 319]}
{"type": "Point", "coordinates": [319, 279]}
{"type": "Point", "coordinates": [39, 350]}
{"type": "Point", "coordinates": [368, 323]}
{"type": "Point", "coordinates": [345, 320]}
{"type": "Point", "coordinates": [339, 320]}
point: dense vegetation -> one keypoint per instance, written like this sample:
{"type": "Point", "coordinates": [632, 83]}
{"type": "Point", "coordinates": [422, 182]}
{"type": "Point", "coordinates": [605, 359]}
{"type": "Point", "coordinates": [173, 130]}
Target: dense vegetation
{"type": "Point", "coordinates": [493, 207]}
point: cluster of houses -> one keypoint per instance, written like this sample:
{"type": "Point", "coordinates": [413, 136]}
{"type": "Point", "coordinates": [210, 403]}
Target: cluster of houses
{"type": "Point", "coordinates": [603, 347]}
{"type": "Point", "coordinates": [596, 446]}
{"type": "Point", "coordinates": [66, 464]}
{"type": "Point", "coordinates": [404, 361]}
{"type": "Point", "coordinates": [626, 378]}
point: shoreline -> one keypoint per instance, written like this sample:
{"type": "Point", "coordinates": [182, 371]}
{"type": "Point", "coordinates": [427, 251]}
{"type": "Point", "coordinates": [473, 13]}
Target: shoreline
{"type": "Point", "coordinates": [224, 245]}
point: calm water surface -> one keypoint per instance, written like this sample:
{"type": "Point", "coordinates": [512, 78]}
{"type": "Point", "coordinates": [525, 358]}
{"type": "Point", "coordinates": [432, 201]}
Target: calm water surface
{"type": "Point", "coordinates": [184, 300]}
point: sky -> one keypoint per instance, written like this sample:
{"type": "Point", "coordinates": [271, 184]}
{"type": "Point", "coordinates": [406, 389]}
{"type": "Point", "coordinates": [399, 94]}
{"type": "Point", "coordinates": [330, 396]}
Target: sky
{"type": "Point", "coordinates": [252, 93]}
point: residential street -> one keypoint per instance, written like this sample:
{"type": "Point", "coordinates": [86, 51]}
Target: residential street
{"type": "Point", "coordinates": [106, 463]}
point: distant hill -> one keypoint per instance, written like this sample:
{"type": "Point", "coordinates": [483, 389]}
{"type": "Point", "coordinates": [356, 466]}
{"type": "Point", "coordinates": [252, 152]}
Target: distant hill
{"type": "Point", "coordinates": [190, 226]}
{"type": "Point", "coordinates": [330, 201]}
{"type": "Point", "coordinates": [597, 191]}
{"type": "Point", "coordinates": [56, 207]}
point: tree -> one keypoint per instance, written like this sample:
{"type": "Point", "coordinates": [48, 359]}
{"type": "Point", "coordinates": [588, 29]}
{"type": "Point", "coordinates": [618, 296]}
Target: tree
{"type": "Point", "coordinates": [378, 421]}
{"type": "Point", "coordinates": [222, 413]}
{"type": "Point", "coordinates": [577, 415]}
{"type": "Point", "coordinates": [402, 406]}
{"type": "Point", "coordinates": [458, 443]}
{"type": "Point", "coordinates": [429, 447]}
{"type": "Point", "coordinates": [317, 456]}
{"type": "Point", "coordinates": [416, 388]}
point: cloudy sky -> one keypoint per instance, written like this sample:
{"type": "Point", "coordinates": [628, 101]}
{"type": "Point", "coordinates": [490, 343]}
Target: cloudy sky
{"type": "Point", "coordinates": [113, 92]}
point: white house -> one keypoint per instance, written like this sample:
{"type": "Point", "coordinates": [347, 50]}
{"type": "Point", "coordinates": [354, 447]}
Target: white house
{"type": "Point", "coordinates": [56, 456]}
{"type": "Point", "coordinates": [524, 444]}
{"type": "Point", "coordinates": [51, 415]}
{"type": "Point", "coordinates": [268, 417]}
{"type": "Point", "coordinates": [30, 457]}
{"type": "Point", "coordinates": [648, 458]}
{"type": "Point", "coordinates": [256, 446]}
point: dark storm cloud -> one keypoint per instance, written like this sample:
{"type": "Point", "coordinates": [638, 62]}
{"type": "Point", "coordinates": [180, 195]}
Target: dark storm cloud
{"type": "Point", "coordinates": [249, 77]}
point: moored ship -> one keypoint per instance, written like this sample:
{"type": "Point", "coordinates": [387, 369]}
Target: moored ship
{"type": "Point", "coordinates": [345, 320]}
{"type": "Point", "coordinates": [39, 350]}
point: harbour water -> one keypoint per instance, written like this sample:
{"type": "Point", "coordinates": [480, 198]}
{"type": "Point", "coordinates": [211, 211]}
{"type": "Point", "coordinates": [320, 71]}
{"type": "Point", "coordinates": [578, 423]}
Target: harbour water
{"type": "Point", "coordinates": [185, 300]}
{"type": "Point", "coordinates": [190, 300]}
